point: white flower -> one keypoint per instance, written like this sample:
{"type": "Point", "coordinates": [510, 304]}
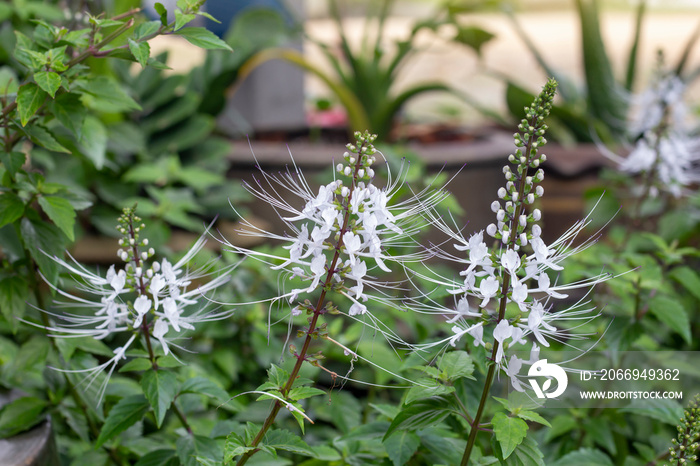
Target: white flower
{"type": "Point", "coordinates": [141, 305]}
{"type": "Point", "coordinates": [502, 331]}
{"type": "Point", "coordinates": [126, 301]}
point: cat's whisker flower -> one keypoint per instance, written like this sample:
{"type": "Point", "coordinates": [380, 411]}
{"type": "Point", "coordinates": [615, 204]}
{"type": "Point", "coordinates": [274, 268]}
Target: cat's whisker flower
{"type": "Point", "coordinates": [155, 298]}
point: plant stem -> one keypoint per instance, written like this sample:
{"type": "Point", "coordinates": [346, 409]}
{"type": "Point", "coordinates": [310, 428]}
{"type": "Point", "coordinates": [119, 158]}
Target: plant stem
{"type": "Point", "coordinates": [502, 305]}
{"type": "Point", "coordinates": [318, 310]}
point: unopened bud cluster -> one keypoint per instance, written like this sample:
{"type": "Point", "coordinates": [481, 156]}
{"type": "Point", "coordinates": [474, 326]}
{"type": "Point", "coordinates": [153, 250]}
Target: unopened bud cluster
{"type": "Point", "coordinates": [685, 445]}
{"type": "Point", "coordinates": [514, 225]}
{"type": "Point", "coordinates": [359, 158]}
{"type": "Point", "coordinates": [130, 227]}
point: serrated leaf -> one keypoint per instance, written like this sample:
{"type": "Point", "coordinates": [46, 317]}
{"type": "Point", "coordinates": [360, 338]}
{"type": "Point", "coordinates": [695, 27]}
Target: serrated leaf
{"type": "Point", "coordinates": [426, 388]}
{"type": "Point", "coordinates": [146, 29]}
{"type": "Point", "coordinates": [510, 432]}
{"type": "Point", "coordinates": [688, 279]}
{"type": "Point", "coordinates": [61, 213]}
{"type": "Point", "coordinates": [457, 364]}
{"type": "Point", "coordinates": [43, 137]}
{"type": "Point", "coordinates": [420, 414]}
{"type": "Point", "coordinates": [70, 112]}
{"type": "Point", "coordinates": [235, 446]}
{"type": "Point", "coordinates": [20, 415]}
{"type": "Point", "coordinates": [300, 393]}
{"type": "Point", "coordinates": [584, 457]}
{"type": "Point", "coordinates": [11, 208]}
{"type": "Point", "coordinates": [160, 388]}
{"type": "Point", "coordinates": [401, 446]}
{"type": "Point", "coordinates": [204, 386]}
{"type": "Point", "coordinates": [30, 97]}
{"type": "Point", "coordinates": [49, 81]}
{"type": "Point", "coordinates": [138, 364]}
{"type": "Point", "coordinates": [14, 292]}
{"type": "Point", "coordinates": [182, 19]}
{"type": "Point", "coordinates": [105, 95]}
{"type": "Point", "coordinates": [284, 440]}
{"type": "Point", "coordinates": [525, 454]}
{"type": "Point", "coordinates": [599, 430]}
{"type": "Point", "coordinates": [123, 415]}
{"type": "Point", "coordinates": [159, 458]}
{"type": "Point", "coordinates": [203, 38]}
{"type": "Point", "coordinates": [667, 411]}
{"type": "Point", "coordinates": [671, 313]}
{"type": "Point", "coordinates": [192, 446]}
{"type": "Point", "coordinates": [533, 416]}
{"type": "Point", "coordinates": [141, 51]}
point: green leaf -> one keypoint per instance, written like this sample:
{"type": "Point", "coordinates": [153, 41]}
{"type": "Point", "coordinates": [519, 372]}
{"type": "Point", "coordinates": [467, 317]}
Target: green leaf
{"type": "Point", "coordinates": [146, 29]}
{"type": "Point", "coordinates": [424, 413]}
{"type": "Point", "coordinates": [162, 13]}
{"type": "Point", "coordinates": [20, 415]}
{"type": "Point", "coordinates": [29, 98]}
{"type": "Point", "coordinates": [192, 446]}
{"type": "Point", "coordinates": [599, 430]}
{"type": "Point", "coordinates": [532, 416]}
{"type": "Point", "coordinates": [14, 292]}
{"type": "Point", "coordinates": [182, 19]}
{"type": "Point", "coordinates": [510, 432]}
{"type": "Point", "coordinates": [42, 238]}
{"type": "Point", "coordinates": [667, 411]}
{"type": "Point", "coordinates": [401, 446]}
{"type": "Point", "coordinates": [235, 446]}
{"type": "Point", "coordinates": [123, 415]}
{"type": "Point", "coordinates": [138, 364]}
{"type": "Point", "coordinates": [61, 213]}
{"type": "Point", "coordinates": [426, 388]}
{"type": "Point", "coordinates": [9, 84]}
{"type": "Point", "coordinates": [688, 279]}
{"type": "Point", "coordinates": [49, 81]}
{"type": "Point", "coordinates": [605, 97]}
{"type": "Point", "coordinates": [160, 388]}
{"type": "Point", "coordinates": [560, 425]}
{"type": "Point", "coordinates": [671, 313]}
{"type": "Point", "coordinates": [299, 393]}
{"type": "Point", "coordinates": [104, 94]}
{"type": "Point", "coordinates": [13, 161]}
{"type": "Point", "coordinates": [284, 440]}
{"type": "Point", "coordinates": [457, 364]}
{"type": "Point", "coordinates": [141, 51]}
{"type": "Point", "coordinates": [204, 386]}
{"type": "Point", "coordinates": [525, 454]}
{"type": "Point", "coordinates": [93, 143]}
{"type": "Point", "coordinates": [203, 38]}
{"type": "Point", "coordinates": [159, 458]}
{"type": "Point", "coordinates": [11, 208]}
{"type": "Point", "coordinates": [473, 37]}
{"type": "Point", "coordinates": [584, 457]}
{"type": "Point", "coordinates": [70, 112]}
{"type": "Point", "coordinates": [43, 137]}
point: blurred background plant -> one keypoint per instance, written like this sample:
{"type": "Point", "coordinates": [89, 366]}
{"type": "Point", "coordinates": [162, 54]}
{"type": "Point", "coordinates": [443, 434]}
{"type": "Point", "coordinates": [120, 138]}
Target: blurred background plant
{"type": "Point", "coordinates": [598, 109]}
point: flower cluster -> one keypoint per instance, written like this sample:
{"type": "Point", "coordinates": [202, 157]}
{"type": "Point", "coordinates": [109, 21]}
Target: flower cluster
{"type": "Point", "coordinates": [520, 272]}
{"type": "Point", "coordinates": [665, 150]}
{"type": "Point", "coordinates": [154, 298]}
{"type": "Point", "coordinates": [341, 235]}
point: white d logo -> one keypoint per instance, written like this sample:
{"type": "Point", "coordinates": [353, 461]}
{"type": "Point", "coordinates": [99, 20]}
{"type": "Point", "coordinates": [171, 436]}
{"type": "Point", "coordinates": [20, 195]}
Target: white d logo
{"type": "Point", "coordinates": [543, 369]}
